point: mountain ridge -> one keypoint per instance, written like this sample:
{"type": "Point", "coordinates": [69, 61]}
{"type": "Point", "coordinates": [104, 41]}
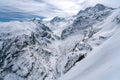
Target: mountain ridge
{"type": "Point", "coordinates": [32, 50]}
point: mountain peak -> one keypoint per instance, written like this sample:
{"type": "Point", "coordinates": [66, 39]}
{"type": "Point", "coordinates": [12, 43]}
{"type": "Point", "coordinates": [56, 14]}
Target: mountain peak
{"type": "Point", "coordinates": [96, 8]}
{"type": "Point", "coordinates": [100, 6]}
{"type": "Point", "coordinates": [57, 19]}
{"type": "Point", "coordinates": [88, 17]}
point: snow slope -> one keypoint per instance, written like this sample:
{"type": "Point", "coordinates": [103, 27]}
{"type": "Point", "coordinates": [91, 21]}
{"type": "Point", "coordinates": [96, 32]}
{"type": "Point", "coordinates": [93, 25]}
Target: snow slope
{"type": "Point", "coordinates": [103, 62]}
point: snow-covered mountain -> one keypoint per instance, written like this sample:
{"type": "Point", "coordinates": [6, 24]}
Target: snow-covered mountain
{"type": "Point", "coordinates": [24, 51]}
{"type": "Point", "coordinates": [58, 24]}
{"type": "Point", "coordinates": [81, 47]}
{"type": "Point", "coordinates": [87, 18]}
{"type": "Point", "coordinates": [102, 63]}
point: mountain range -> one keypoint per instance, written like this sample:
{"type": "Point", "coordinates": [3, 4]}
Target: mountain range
{"type": "Point", "coordinates": [81, 47]}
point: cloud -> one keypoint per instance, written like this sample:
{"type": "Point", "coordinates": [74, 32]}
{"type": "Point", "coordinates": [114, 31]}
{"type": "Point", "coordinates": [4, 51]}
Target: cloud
{"type": "Point", "coordinates": [48, 8]}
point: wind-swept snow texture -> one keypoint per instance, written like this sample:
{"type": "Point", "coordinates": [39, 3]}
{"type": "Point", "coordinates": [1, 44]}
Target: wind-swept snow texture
{"type": "Point", "coordinates": [103, 62]}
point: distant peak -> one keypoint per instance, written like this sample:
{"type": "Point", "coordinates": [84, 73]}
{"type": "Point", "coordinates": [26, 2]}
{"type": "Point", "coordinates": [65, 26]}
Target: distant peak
{"type": "Point", "coordinates": [57, 19]}
{"type": "Point", "coordinates": [100, 6]}
{"type": "Point", "coordinates": [97, 7]}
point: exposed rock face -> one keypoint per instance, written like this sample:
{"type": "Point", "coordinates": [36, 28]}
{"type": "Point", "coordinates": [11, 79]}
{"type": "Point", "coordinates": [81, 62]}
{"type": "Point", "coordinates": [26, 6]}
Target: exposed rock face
{"type": "Point", "coordinates": [87, 18]}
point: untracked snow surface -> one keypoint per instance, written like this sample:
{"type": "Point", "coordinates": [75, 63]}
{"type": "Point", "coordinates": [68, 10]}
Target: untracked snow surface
{"type": "Point", "coordinates": [103, 62]}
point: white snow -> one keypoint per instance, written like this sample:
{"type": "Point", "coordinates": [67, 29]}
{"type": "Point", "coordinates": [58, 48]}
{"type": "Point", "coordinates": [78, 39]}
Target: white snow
{"type": "Point", "coordinates": [103, 62]}
{"type": "Point", "coordinates": [12, 77]}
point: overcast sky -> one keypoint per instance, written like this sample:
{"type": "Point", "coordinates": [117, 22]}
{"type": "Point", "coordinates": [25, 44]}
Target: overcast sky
{"type": "Point", "coordinates": [47, 8]}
